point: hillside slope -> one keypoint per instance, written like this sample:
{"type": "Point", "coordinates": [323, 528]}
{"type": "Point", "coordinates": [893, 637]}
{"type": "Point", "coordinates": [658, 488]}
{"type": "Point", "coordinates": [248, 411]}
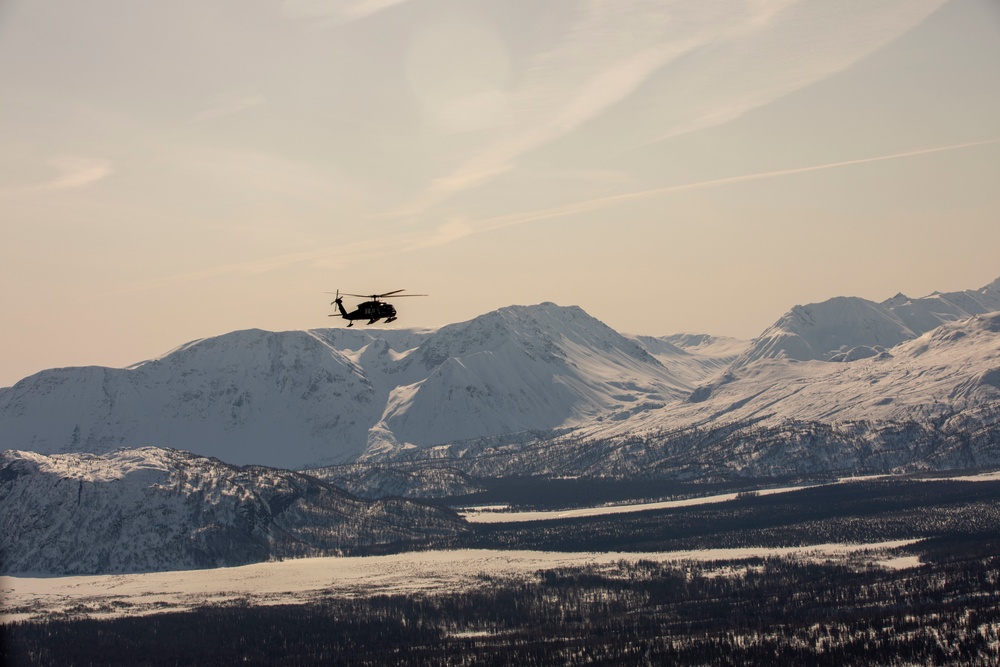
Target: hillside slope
{"type": "Point", "coordinates": [156, 509]}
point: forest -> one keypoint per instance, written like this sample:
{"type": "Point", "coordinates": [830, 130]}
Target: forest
{"type": "Point", "coordinates": [748, 611]}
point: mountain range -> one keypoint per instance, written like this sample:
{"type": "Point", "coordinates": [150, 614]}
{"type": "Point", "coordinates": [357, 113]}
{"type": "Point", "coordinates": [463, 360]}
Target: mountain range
{"type": "Point", "coordinates": [159, 509]}
{"type": "Point", "coordinates": [185, 461]}
{"type": "Point", "coordinates": [515, 376]}
{"type": "Point", "coordinates": [931, 403]}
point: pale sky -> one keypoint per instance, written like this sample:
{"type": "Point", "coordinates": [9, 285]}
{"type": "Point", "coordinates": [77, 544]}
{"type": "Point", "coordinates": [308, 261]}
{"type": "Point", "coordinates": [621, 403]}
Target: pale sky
{"type": "Point", "coordinates": [176, 170]}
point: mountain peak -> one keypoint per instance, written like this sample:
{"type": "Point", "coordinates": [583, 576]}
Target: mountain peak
{"type": "Point", "coordinates": [818, 331]}
{"type": "Point", "coordinates": [831, 329]}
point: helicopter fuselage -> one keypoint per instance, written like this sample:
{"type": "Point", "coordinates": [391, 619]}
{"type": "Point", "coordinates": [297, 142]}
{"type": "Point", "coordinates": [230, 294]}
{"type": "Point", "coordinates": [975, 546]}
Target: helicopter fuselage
{"type": "Point", "coordinates": [373, 311]}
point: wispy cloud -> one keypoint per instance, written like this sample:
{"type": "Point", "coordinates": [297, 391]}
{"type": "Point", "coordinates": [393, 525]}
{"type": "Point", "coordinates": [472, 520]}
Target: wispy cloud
{"type": "Point", "coordinates": [75, 171]}
{"type": "Point", "coordinates": [748, 55]}
{"type": "Point", "coordinates": [589, 205]}
{"type": "Point", "coordinates": [71, 172]}
{"type": "Point", "coordinates": [607, 56]}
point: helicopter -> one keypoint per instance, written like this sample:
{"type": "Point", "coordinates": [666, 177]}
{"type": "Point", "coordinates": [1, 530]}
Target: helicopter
{"type": "Point", "coordinates": [373, 310]}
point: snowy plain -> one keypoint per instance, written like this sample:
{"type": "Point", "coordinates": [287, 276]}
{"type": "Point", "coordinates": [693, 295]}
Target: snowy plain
{"type": "Point", "coordinates": [313, 579]}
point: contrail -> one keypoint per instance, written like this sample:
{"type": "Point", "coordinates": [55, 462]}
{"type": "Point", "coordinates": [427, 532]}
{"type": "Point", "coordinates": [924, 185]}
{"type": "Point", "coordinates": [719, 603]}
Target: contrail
{"type": "Point", "coordinates": [603, 202]}
{"type": "Point", "coordinates": [415, 240]}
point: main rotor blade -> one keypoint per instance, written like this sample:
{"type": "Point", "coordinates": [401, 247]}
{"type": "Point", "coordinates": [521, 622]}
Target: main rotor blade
{"type": "Point", "coordinates": [395, 294]}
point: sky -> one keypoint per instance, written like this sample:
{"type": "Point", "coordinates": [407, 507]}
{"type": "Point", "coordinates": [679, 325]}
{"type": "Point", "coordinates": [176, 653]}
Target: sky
{"type": "Point", "coordinates": [172, 171]}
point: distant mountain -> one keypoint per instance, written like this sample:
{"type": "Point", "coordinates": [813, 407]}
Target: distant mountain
{"type": "Point", "coordinates": [247, 397]}
{"type": "Point", "coordinates": [851, 327]}
{"type": "Point", "coordinates": [157, 509]}
{"type": "Point", "coordinates": [948, 370]}
{"type": "Point", "coordinates": [306, 398]}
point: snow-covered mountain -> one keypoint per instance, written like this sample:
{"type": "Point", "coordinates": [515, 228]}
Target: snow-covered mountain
{"type": "Point", "coordinates": [947, 371]}
{"type": "Point", "coordinates": [305, 398]}
{"type": "Point", "coordinates": [246, 397]}
{"type": "Point", "coordinates": [845, 328]}
{"type": "Point", "coordinates": [928, 403]}
{"type": "Point", "coordinates": [158, 509]}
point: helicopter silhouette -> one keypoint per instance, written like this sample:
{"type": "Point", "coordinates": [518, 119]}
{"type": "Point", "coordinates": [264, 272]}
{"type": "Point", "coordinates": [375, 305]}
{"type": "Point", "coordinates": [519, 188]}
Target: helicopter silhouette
{"type": "Point", "coordinates": [373, 310]}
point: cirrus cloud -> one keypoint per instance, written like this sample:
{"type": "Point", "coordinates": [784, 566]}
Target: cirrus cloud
{"type": "Point", "coordinates": [71, 172]}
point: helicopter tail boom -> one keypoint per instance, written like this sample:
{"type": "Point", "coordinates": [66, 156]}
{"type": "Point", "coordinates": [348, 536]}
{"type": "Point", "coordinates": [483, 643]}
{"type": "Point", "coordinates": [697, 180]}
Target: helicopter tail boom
{"type": "Point", "coordinates": [340, 305]}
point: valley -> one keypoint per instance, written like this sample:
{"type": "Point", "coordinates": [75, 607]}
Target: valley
{"type": "Point", "coordinates": [856, 571]}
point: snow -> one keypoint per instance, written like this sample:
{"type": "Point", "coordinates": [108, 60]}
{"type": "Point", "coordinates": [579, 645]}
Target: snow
{"type": "Point", "coordinates": [293, 399]}
{"type": "Point", "coordinates": [155, 509]}
{"type": "Point", "coordinates": [943, 372]}
{"type": "Point", "coordinates": [484, 515]}
{"type": "Point", "coordinates": [818, 331]}
{"type": "Point", "coordinates": [309, 580]}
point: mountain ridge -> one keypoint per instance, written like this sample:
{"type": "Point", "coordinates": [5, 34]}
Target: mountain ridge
{"type": "Point", "coordinates": [300, 398]}
{"type": "Point", "coordinates": [148, 509]}
{"type": "Point", "coordinates": [835, 327]}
